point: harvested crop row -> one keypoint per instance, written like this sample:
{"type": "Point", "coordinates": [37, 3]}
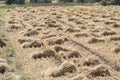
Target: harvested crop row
{"type": "Point", "coordinates": [41, 38]}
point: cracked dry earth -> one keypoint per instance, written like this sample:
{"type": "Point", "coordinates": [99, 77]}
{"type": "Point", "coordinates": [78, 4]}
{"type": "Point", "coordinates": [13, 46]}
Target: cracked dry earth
{"type": "Point", "coordinates": [66, 43]}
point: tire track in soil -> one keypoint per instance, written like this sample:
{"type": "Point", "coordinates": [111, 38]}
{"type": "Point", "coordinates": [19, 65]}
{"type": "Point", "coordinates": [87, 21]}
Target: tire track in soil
{"type": "Point", "coordinates": [117, 68]}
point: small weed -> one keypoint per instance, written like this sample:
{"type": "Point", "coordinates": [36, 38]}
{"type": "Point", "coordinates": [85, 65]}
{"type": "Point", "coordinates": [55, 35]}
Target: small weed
{"type": "Point", "coordinates": [2, 16]}
{"type": "Point", "coordinates": [10, 49]}
{"type": "Point", "coordinates": [103, 12]}
{"type": "Point", "coordinates": [113, 14]}
{"type": "Point", "coordinates": [2, 12]}
{"type": "Point", "coordinates": [24, 77]}
{"type": "Point", "coordinates": [2, 34]}
{"type": "Point", "coordinates": [15, 65]}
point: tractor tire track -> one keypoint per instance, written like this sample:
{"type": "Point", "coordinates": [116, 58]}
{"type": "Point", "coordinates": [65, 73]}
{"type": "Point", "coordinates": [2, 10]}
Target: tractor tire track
{"type": "Point", "coordinates": [117, 68]}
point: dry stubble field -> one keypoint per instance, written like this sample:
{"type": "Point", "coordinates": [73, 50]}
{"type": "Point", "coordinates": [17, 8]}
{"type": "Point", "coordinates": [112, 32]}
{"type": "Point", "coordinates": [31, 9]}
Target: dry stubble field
{"type": "Point", "coordinates": [66, 43]}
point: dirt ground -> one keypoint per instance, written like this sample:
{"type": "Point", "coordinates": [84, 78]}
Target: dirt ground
{"type": "Point", "coordinates": [66, 43]}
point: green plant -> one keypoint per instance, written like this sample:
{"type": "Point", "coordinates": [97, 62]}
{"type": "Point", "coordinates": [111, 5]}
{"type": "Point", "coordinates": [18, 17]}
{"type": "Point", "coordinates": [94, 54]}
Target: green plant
{"type": "Point", "coordinates": [24, 77]}
{"type": "Point", "coordinates": [113, 14]}
{"type": "Point", "coordinates": [10, 49]}
{"type": "Point", "coordinates": [2, 34]}
{"type": "Point", "coordinates": [15, 64]}
{"type": "Point", "coordinates": [2, 12]}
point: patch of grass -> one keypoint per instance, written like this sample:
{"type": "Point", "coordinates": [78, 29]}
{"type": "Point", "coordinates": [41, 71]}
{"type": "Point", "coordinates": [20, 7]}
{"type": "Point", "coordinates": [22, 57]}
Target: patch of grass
{"type": "Point", "coordinates": [14, 63]}
{"type": "Point", "coordinates": [10, 49]}
{"type": "Point", "coordinates": [24, 77]}
{"type": "Point", "coordinates": [2, 12]}
{"type": "Point", "coordinates": [16, 66]}
{"type": "Point", "coordinates": [2, 16]}
{"type": "Point", "coordinates": [103, 12]}
{"type": "Point", "coordinates": [2, 34]}
{"type": "Point", "coordinates": [113, 14]}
